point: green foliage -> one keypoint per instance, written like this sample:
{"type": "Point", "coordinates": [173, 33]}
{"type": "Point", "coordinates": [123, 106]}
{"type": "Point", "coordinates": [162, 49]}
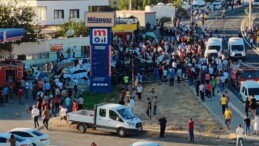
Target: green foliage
{"type": "Point", "coordinates": [6, 46]}
{"type": "Point", "coordinates": [177, 3]}
{"type": "Point", "coordinates": [14, 16]}
{"type": "Point", "coordinates": [78, 27]}
{"type": "Point", "coordinates": [123, 5]}
{"type": "Point", "coordinates": [181, 12]}
{"type": "Point", "coordinates": [165, 19]}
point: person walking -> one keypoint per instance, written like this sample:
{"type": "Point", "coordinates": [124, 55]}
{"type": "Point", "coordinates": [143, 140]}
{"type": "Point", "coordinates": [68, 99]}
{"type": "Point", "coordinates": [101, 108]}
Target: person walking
{"type": "Point", "coordinates": [171, 76]}
{"type": "Point", "coordinates": [247, 122]}
{"type": "Point", "coordinates": [126, 81]}
{"type": "Point", "coordinates": [35, 112]}
{"type": "Point", "coordinates": [223, 103]}
{"type": "Point", "coordinates": [256, 124]}
{"type": "Point", "coordinates": [12, 140]}
{"type": "Point", "coordinates": [247, 106]}
{"type": "Point", "coordinates": [228, 117]}
{"type": "Point", "coordinates": [46, 117]}
{"type": "Point", "coordinates": [214, 85]}
{"type": "Point", "coordinates": [80, 102]}
{"type": "Point", "coordinates": [62, 115]}
{"type": "Point", "coordinates": [162, 122]}
{"type": "Point", "coordinates": [208, 90]}
{"type": "Point", "coordinates": [202, 89]}
{"type": "Point", "coordinates": [155, 105]}
{"type": "Point", "coordinates": [191, 129]}
{"type": "Point", "coordinates": [6, 94]}
{"type": "Point", "coordinates": [20, 94]}
{"type": "Point", "coordinates": [1, 98]}
{"type": "Point", "coordinates": [149, 108]}
{"type": "Point", "coordinates": [139, 91]}
{"type": "Point", "coordinates": [240, 135]}
{"type": "Point", "coordinates": [131, 104]}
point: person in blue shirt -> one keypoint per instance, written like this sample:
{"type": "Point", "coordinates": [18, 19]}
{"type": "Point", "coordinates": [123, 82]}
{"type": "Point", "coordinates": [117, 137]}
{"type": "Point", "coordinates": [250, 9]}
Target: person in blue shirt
{"type": "Point", "coordinates": [6, 93]}
{"type": "Point", "coordinates": [47, 88]}
{"type": "Point", "coordinates": [68, 104]}
{"type": "Point", "coordinates": [171, 77]}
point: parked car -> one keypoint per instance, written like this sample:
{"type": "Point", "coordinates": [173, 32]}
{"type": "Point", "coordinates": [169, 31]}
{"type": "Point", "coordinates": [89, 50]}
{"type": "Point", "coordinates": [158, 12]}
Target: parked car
{"type": "Point", "coordinates": [37, 138]}
{"type": "Point", "coordinates": [78, 73]}
{"type": "Point", "coordinates": [4, 137]}
{"type": "Point", "coordinates": [145, 143]}
{"type": "Point", "coordinates": [215, 6]}
{"type": "Point", "coordinates": [109, 117]}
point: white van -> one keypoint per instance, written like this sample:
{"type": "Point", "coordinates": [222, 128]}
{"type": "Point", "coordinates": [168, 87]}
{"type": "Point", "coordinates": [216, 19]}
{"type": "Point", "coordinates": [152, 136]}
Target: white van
{"type": "Point", "coordinates": [198, 4]}
{"type": "Point", "coordinates": [236, 48]}
{"type": "Point", "coordinates": [248, 88]}
{"type": "Point", "coordinates": [214, 44]}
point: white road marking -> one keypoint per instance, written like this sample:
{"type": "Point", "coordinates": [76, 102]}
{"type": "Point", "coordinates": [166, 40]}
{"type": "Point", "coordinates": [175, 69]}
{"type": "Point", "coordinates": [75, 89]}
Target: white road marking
{"type": "Point", "coordinates": [236, 109]}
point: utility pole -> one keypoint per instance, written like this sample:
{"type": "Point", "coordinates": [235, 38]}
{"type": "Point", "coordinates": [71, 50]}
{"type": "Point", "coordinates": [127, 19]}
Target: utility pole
{"type": "Point", "coordinates": [191, 11]}
{"type": "Point", "coordinates": [250, 11]}
{"type": "Point", "coordinates": [130, 4]}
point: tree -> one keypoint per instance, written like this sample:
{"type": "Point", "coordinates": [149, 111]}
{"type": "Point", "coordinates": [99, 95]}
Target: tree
{"type": "Point", "coordinates": [78, 27]}
{"type": "Point", "coordinates": [13, 15]}
{"type": "Point", "coordinates": [123, 5]}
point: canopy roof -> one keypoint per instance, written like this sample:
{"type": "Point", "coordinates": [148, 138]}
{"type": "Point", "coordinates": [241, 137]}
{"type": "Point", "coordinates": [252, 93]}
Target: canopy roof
{"type": "Point", "coordinates": [11, 34]}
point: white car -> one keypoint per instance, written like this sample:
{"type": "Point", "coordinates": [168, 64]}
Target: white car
{"type": "Point", "coordinates": [217, 6]}
{"type": "Point", "coordinates": [77, 73]}
{"type": "Point", "coordinates": [144, 143]}
{"type": "Point", "coordinates": [4, 137]}
{"type": "Point", "coordinates": [37, 138]}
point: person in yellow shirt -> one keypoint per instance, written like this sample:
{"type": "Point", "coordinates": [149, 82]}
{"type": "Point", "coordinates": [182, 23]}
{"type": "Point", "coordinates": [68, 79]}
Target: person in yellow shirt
{"type": "Point", "coordinates": [223, 103]}
{"type": "Point", "coordinates": [228, 117]}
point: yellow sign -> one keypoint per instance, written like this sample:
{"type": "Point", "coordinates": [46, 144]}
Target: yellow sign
{"type": "Point", "coordinates": [124, 27]}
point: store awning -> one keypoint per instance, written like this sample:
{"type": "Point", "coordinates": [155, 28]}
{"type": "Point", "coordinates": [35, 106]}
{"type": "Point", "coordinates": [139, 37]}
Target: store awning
{"type": "Point", "coordinates": [11, 34]}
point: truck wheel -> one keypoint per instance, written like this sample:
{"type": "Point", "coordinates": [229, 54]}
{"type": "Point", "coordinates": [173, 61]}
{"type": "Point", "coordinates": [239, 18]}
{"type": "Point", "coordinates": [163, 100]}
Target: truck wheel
{"type": "Point", "coordinates": [82, 128]}
{"type": "Point", "coordinates": [121, 132]}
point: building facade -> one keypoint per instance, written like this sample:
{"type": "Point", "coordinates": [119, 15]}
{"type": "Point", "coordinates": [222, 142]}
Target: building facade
{"type": "Point", "coordinates": [54, 12]}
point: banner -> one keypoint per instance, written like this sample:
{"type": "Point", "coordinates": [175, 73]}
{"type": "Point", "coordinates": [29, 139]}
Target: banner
{"type": "Point", "coordinates": [56, 47]}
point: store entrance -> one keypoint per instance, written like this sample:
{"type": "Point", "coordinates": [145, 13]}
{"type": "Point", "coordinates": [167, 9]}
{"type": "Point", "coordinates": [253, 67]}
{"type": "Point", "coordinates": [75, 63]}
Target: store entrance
{"type": "Point", "coordinates": [10, 76]}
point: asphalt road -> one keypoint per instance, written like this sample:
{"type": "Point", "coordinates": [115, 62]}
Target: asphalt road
{"type": "Point", "coordinates": [230, 27]}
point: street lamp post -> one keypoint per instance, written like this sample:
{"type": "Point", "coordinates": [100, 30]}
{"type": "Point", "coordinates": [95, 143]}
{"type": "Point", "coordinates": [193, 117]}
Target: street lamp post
{"type": "Point", "coordinates": [130, 4]}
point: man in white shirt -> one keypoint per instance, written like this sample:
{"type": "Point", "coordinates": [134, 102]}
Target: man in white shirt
{"type": "Point", "coordinates": [80, 102]}
{"type": "Point", "coordinates": [35, 115]}
{"type": "Point", "coordinates": [139, 91]}
{"type": "Point", "coordinates": [62, 114]}
{"type": "Point", "coordinates": [131, 104]}
{"type": "Point", "coordinates": [240, 134]}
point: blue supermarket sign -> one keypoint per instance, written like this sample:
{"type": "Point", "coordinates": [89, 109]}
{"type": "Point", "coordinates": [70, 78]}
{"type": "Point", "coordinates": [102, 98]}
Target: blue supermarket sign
{"type": "Point", "coordinates": [100, 41]}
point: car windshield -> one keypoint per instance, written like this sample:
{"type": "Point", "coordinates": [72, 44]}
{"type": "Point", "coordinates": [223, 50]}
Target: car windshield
{"type": "Point", "coordinates": [125, 113]}
{"type": "Point", "coordinates": [215, 55]}
{"type": "Point", "coordinates": [37, 133]}
{"type": "Point", "coordinates": [214, 48]}
{"type": "Point", "coordinates": [18, 138]}
{"type": "Point", "coordinates": [237, 48]}
{"type": "Point", "coordinates": [249, 74]}
{"type": "Point", "coordinates": [253, 91]}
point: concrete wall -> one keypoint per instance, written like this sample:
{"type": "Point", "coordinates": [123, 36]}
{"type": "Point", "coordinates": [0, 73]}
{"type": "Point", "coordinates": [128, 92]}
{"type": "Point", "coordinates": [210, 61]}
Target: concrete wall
{"type": "Point", "coordinates": [65, 5]}
{"type": "Point", "coordinates": [44, 46]}
{"type": "Point", "coordinates": [162, 11]}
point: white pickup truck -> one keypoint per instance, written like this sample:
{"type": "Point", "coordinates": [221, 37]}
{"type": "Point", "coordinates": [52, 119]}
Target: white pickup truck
{"type": "Point", "coordinates": [110, 117]}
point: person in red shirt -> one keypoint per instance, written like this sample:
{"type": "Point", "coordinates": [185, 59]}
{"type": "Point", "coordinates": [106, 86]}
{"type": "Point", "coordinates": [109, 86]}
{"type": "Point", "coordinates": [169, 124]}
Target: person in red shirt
{"type": "Point", "coordinates": [20, 94]}
{"type": "Point", "coordinates": [208, 90]}
{"type": "Point", "coordinates": [191, 129]}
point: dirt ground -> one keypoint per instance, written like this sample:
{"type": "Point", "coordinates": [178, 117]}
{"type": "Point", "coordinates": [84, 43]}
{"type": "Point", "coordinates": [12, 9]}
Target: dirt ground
{"type": "Point", "coordinates": [178, 104]}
